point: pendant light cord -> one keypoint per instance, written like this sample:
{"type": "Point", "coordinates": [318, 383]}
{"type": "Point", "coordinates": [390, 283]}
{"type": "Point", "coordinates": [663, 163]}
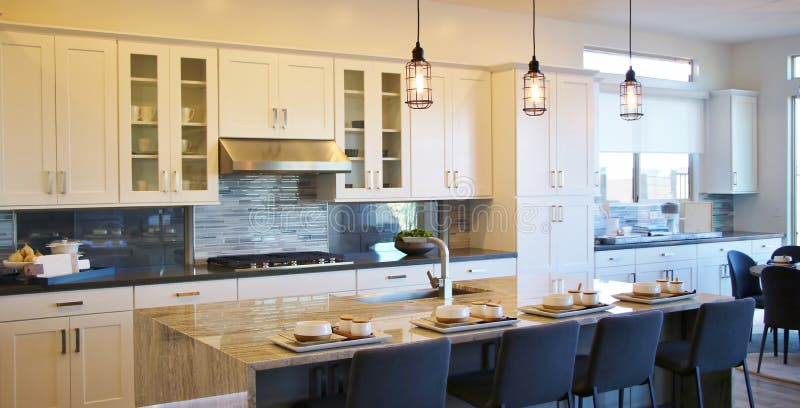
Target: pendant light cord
{"type": "Point", "coordinates": [630, 32]}
{"type": "Point", "coordinates": [417, 21]}
{"type": "Point", "coordinates": [533, 30]}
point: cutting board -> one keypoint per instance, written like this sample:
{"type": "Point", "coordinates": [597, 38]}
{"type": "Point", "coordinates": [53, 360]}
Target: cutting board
{"type": "Point", "coordinates": [696, 216]}
{"type": "Point", "coordinates": [55, 265]}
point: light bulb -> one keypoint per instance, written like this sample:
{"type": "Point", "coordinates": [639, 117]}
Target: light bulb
{"type": "Point", "coordinates": [631, 99]}
{"type": "Point", "coordinates": [420, 82]}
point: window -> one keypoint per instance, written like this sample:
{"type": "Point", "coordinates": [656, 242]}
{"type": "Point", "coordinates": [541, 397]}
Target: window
{"type": "Point", "coordinates": [616, 62]}
{"type": "Point", "coordinates": [796, 66]}
{"type": "Point", "coordinates": [643, 177]}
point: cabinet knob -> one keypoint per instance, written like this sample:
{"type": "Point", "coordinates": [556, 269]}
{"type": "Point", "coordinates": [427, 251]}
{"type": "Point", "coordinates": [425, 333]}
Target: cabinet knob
{"type": "Point", "coordinates": [476, 270]}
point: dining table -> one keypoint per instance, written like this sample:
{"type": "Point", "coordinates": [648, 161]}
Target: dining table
{"type": "Point", "coordinates": [756, 270]}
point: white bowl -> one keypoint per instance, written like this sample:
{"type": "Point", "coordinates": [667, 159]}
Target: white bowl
{"type": "Point", "coordinates": [558, 301]}
{"type": "Point", "coordinates": [452, 313]}
{"type": "Point", "coordinates": [493, 311]}
{"type": "Point", "coordinates": [676, 287]}
{"type": "Point", "coordinates": [312, 328]}
{"type": "Point", "coordinates": [64, 247]}
{"type": "Point", "coordinates": [647, 288]}
{"type": "Point", "coordinates": [590, 298]}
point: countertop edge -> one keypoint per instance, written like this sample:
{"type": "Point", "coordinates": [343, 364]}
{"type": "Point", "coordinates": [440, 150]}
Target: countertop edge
{"type": "Point", "coordinates": [739, 236]}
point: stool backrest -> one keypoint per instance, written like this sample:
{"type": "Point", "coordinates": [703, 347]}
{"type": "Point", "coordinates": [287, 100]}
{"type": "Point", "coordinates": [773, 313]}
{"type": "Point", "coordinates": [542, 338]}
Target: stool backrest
{"type": "Point", "coordinates": [624, 350]}
{"type": "Point", "coordinates": [781, 297]}
{"type": "Point", "coordinates": [791, 250]}
{"type": "Point", "coordinates": [721, 334]}
{"type": "Point", "coordinates": [535, 365]}
{"type": "Point", "coordinates": [408, 375]}
{"type": "Point", "coordinates": [743, 283]}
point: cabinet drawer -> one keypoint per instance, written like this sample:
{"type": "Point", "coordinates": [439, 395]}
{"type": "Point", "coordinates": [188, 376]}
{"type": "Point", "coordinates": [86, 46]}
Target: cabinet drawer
{"type": "Point", "coordinates": [489, 268]}
{"type": "Point", "coordinates": [768, 246]}
{"type": "Point", "coordinates": [617, 257]}
{"type": "Point", "coordinates": [184, 293]}
{"type": "Point", "coordinates": [720, 249]}
{"type": "Point", "coordinates": [67, 303]}
{"type": "Point", "coordinates": [297, 285]}
{"type": "Point", "coordinates": [616, 273]}
{"type": "Point", "coordinates": [378, 278]}
{"type": "Point", "coordinates": [665, 254]}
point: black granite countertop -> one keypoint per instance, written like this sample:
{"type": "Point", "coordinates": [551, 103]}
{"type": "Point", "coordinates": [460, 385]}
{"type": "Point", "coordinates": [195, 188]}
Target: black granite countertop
{"type": "Point", "coordinates": [726, 236]}
{"type": "Point", "coordinates": [9, 285]}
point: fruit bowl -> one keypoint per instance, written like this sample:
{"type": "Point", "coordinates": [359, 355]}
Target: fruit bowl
{"type": "Point", "coordinates": [413, 248]}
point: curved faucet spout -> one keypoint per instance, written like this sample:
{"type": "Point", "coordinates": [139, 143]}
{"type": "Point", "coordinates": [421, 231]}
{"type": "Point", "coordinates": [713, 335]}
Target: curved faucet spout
{"type": "Point", "coordinates": [444, 283]}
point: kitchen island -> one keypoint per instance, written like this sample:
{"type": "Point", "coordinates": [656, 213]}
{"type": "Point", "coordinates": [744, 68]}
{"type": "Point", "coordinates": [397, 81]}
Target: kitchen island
{"type": "Point", "coordinates": [221, 349]}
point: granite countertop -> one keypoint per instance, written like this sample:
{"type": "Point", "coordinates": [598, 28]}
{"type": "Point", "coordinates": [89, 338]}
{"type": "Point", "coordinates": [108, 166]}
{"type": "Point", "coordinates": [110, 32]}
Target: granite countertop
{"type": "Point", "coordinates": [239, 329]}
{"type": "Point", "coordinates": [726, 236]}
{"type": "Point", "coordinates": [134, 276]}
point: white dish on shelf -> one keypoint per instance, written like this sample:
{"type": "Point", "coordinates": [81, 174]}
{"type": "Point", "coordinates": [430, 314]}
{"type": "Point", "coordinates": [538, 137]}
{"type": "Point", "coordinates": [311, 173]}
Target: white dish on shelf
{"type": "Point", "coordinates": [16, 265]}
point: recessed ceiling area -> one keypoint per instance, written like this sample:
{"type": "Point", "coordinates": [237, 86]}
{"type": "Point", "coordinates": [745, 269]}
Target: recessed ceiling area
{"type": "Point", "coordinates": [729, 21]}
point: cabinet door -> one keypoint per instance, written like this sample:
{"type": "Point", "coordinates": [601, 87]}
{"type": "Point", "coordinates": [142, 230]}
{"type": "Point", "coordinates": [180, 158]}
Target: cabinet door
{"type": "Point", "coordinates": [472, 133]}
{"type": "Point", "coordinates": [101, 354]}
{"type": "Point", "coordinates": [575, 106]}
{"type": "Point", "coordinates": [144, 118]}
{"type": "Point", "coordinates": [431, 131]}
{"type": "Point", "coordinates": [306, 97]}
{"type": "Point", "coordinates": [393, 137]}
{"type": "Point", "coordinates": [685, 270]}
{"type": "Point", "coordinates": [574, 237]}
{"type": "Point", "coordinates": [536, 172]}
{"type": "Point", "coordinates": [86, 99]}
{"type": "Point", "coordinates": [710, 275]}
{"type": "Point", "coordinates": [34, 363]}
{"type": "Point", "coordinates": [744, 131]}
{"type": "Point", "coordinates": [193, 125]}
{"type": "Point", "coordinates": [248, 94]}
{"type": "Point", "coordinates": [27, 119]}
{"type": "Point", "coordinates": [535, 246]}
{"type": "Point", "coordinates": [297, 285]}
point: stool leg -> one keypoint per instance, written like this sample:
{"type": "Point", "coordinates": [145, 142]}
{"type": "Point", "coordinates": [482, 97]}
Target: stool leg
{"type": "Point", "coordinates": [580, 402]}
{"type": "Point", "coordinates": [569, 399]}
{"type": "Point", "coordinates": [775, 341]}
{"type": "Point", "coordinates": [761, 353]}
{"type": "Point", "coordinates": [621, 398]}
{"type": "Point", "coordinates": [596, 400]}
{"type": "Point", "coordinates": [699, 387]}
{"type": "Point", "coordinates": [652, 391]}
{"type": "Point", "coordinates": [785, 345]}
{"type": "Point", "coordinates": [747, 383]}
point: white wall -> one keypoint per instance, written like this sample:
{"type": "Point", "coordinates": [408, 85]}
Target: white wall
{"type": "Point", "coordinates": [763, 66]}
{"type": "Point", "coordinates": [450, 32]}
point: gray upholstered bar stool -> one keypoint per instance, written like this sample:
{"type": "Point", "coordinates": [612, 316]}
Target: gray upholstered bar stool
{"type": "Point", "coordinates": [407, 375]}
{"type": "Point", "coordinates": [622, 355]}
{"type": "Point", "coordinates": [719, 342]}
{"type": "Point", "coordinates": [534, 366]}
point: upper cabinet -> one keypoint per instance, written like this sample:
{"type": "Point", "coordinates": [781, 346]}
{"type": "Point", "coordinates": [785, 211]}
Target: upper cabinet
{"type": "Point", "coordinates": [58, 109]}
{"type": "Point", "coordinates": [168, 124]}
{"type": "Point", "coordinates": [372, 127]}
{"type": "Point", "coordinates": [269, 95]}
{"type": "Point", "coordinates": [451, 142]}
{"type": "Point", "coordinates": [730, 158]}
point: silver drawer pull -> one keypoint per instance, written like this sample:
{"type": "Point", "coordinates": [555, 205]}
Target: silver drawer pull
{"type": "Point", "coordinates": [187, 294]}
{"type": "Point", "coordinates": [67, 304]}
{"type": "Point", "coordinates": [476, 270]}
{"type": "Point", "coordinates": [390, 277]}
{"type": "Point", "coordinates": [610, 258]}
{"type": "Point", "coordinates": [721, 249]}
{"type": "Point", "coordinates": [665, 254]}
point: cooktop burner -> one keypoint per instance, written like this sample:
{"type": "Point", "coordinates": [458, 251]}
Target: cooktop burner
{"type": "Point", "coordinates": [257, 262]}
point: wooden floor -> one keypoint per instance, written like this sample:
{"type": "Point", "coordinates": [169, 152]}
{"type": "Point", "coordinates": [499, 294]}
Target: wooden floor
{"type": "Point", "coordinates": [767, 393]}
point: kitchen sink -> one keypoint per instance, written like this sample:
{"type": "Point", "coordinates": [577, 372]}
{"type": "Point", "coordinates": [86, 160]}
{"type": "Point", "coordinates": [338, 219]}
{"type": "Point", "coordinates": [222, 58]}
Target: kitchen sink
{"type": "Point", "coordinates": [388, 297]}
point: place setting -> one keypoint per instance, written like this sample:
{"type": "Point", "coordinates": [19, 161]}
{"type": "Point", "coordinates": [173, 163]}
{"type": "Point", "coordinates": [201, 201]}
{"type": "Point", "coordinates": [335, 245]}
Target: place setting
{"type": "Point", "coordinates": [448, 319]}
{"type": "Point", "coordinates": [661, 291]}
{"type": "Point", "coordinates": [573, 303]}
{"type": "Point", "coordinates": [777, 260]}
{"type": "Point", "coordinates": [315, 335]}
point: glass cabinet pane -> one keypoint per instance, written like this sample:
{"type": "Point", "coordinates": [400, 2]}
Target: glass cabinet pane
{"type": "Point", "coordinates": [144, 122]}
{"type": "Point", "coordinates": [194, 132]}
{"type": "Point", "coordinates": [354, 143]}
{"type": "Point", "coordinates": [391, 130]}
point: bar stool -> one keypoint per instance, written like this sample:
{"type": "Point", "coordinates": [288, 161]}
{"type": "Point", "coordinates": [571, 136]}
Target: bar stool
{"type": "Point", "coordinates": [534, 366]}
{"type": "Point", "coordinates": [719, 341]}
{"type": "Point", "coordinates": [407, 375]}
{"type": "Point", "coordinates": [622, 355]}
{"type": "Point", "coordinates": [781, 306]}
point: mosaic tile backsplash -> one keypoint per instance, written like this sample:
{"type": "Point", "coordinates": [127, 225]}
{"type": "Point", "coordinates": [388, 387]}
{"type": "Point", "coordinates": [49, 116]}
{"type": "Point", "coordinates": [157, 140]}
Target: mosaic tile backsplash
{"type": "Point", "coordinates": [631, 214]}
{"type": "Point", "coordinates": [259, 214]}
{"type": "Point", "coordinates": [6, 233]}
{"type": "Point", "coordinates": [360, 227]}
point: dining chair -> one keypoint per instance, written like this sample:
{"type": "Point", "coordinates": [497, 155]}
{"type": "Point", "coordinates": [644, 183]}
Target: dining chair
{"type": "Point", "coordinates": [534, 366]}
{"type": "Point", "coordinates": [719, 342]}
{"type": "Point", "coordinates": [406, 375]}
{"type": "Point", "coordinates": [743, 283]}
{"type": "Point", "coordinates": [781, 305]}
{"type": "Point", "coordinates": [791, 250]}
{"type": "Point", "coordinates": [622, 355]}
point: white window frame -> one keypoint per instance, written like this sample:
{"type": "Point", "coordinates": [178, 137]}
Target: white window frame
{"type": "Point", "coordinates": [642, 56]}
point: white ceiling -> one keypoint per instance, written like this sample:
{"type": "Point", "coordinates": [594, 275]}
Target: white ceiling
{"type": "Point", "coordinates": [718, 20]}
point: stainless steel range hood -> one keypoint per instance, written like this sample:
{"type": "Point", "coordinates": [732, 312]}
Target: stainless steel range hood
{"type": "Point", "coordinates": [281, 156]}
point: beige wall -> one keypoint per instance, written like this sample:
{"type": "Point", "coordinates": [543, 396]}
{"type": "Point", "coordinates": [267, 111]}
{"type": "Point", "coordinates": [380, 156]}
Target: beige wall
{"type": "Point", "coordinates": [450, 32]}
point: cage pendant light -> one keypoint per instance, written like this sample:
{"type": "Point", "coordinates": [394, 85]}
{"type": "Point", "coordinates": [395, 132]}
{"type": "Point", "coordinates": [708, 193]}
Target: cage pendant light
{"type": "Point", "coordinates": [630, 90]}
{"type": "Point", "coordinates": [534, 84]}
{"type": "Point", "coordinates": [418, 77]}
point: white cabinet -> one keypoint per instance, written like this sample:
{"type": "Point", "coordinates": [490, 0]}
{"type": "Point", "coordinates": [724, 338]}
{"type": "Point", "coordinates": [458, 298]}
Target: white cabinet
{"type": "Point", "coordinates": [184, 293]}
{"type": "Point", "coordinates": [451, 142]}
{"type": "Point", "coordinates": [84, 358]}
{"type": "Point", "coordinates": [407, 277]}
{"type": "Point", "coordinates": [762, 249]}
{"type": "Point", "coordinates": [684, 270]}
{"type": "Point", "coordinates": [555, 151]}
{"type": "Point", "coordinates": [372, 127]}
{"type": "Point", "coordinates": [269, 95]}
{"type": "Point", "coordinates": [730, 158]}
{"type": "Point", "coordinates": [168, 124]}
{"type": "Point", "coordinates": [339, 282]}
{"type": "Point", "coordinates": [713, 276]}
{"type": "Point", "coordinates": [60, 108]}
{"type": "Point", "coordinates": [489, 268]}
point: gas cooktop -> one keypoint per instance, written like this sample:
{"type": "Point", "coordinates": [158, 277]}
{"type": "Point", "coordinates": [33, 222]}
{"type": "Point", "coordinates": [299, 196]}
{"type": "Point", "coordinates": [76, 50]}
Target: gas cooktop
{"type": "Point", "coordinates": [278, 260]}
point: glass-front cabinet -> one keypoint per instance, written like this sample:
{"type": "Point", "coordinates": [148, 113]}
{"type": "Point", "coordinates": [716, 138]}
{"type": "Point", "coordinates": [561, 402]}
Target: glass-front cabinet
{"type": "Point", "coordinates": [168, 124]}
{"type": "Point", "coordinates": [372, 127]}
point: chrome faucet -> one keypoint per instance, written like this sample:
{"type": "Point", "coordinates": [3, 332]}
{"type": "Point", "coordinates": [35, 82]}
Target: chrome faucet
{"type": "Point", "coordinates": [444, 284]}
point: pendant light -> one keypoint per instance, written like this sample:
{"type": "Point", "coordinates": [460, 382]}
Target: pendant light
{"type": "Point", "coordinates": [534, 85]}
{"type": "Point", "coordinates": [630, 90]}
{"type": "Point", "coordinates": [418, 77]}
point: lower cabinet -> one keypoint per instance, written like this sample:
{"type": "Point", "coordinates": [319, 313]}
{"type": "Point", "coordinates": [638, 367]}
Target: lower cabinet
{"type": "Point", "coordinates": [404, 277]}
{"type": "Point", "coordinates": [713, 276]}
{"type": "Point", "coordinates": [684, 270]}
{"type": "Point", "coordinates": [338, 282]}
{"type": "Point", "coordinates": [488, 268]}
{"type": "Point", "coordinates": [183, 293]}
{"type": "Point", "coordinates": [76, 361]}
